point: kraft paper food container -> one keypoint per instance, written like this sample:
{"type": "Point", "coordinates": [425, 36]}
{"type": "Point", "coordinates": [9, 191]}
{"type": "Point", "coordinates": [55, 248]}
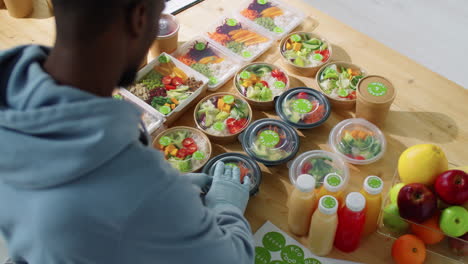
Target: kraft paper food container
{"type": "Point", "coordinates": [248, 167]}
{"type": "Point", "coordinates": [175, 137]}
{"type": "Point", "coordinates": [337, 102]}
{"type": "Point", "coordinates": [358, 141]}
{"type": "Point", "coordinates": [199, 51]}
{"type": "Point", "coordinates": [278, 85]}
{"type": "Point", "coordinates": [309, 162]}
{"type": "Point", "coordinates": [275, 18]}
{"type": "Point", "coordinates": [246, 44]}
{"type": "Point", "coordinates": [450, 249]}
{"type": "Point", "coordinates": [270, 141]}
{"type": "Point", "coordinates": [375, 95]}
{"type": "Point", "coordinates": [19, 8]}
{"type": "Point", "coordinates": [168, 36]}
{"type": "Point", "coordinates": [221, 123]}
{"type": "Point", "coordinates": [184, 104]}
{"type": "Point", "coordinates": [305, 70]}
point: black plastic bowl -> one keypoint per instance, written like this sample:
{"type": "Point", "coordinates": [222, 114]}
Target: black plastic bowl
{"type": "Point", "coordinates": [290, 144]}
{"type": "Point", "coordinates": [227, 158]}
{"type": "Point", "coordinates": [309, 91]}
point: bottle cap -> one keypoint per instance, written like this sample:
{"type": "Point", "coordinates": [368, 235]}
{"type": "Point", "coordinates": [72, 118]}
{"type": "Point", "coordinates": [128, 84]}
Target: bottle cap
{"type": "Point", "coordinates": [328, 205]}
{"type": "Point", "coordinates": [355, 202]}
{"type": "Point", "coordinates": [333, 182]}
{"type": "Point", "coordinates": [305, 183]}
{"type": "Point", "coordinates": [373, 185]}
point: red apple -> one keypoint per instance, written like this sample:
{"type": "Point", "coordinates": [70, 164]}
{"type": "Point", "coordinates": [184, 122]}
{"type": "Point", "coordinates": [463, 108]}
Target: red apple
{"type": "Point", "coordinates": [416, 202]}
{"type": "Point", "coordinates": [459, 246]}
{"type": "Point", "coordinates": [452, 187]}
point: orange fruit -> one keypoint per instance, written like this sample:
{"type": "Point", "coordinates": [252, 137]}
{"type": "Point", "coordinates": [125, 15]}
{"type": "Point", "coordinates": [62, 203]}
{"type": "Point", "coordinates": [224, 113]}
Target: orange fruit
{"type": "Point", "coordinates": [429, 232]}
{"type": "Point", "coordinates": [409, 249]}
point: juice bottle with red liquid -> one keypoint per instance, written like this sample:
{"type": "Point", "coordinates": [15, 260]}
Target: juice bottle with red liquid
{"type": "Point", "coordinates": [351, 219]}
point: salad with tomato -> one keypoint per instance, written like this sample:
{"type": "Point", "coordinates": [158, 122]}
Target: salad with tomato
{"type": "Point", "coordinates": [223, 115]}
{"type": "Point", "coordinates": [359, 144]}
{"type": "Point", "coordinates": [304, 108]}
{"type": "Point", "coordinates": [184, 150]}
{"type": "Point", "coordinates": [261, 82]}
{"type": "Point", "coordinates": [340, 82]}
{"type": "Point", "coordinates": [303, 50]}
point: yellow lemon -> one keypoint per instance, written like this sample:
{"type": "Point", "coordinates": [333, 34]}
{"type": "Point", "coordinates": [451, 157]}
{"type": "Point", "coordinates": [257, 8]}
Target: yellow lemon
{"type": "Point", "coordinates": [422, 164]}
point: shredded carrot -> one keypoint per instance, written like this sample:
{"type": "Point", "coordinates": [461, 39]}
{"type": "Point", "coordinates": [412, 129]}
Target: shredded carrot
{"type": "Point", "coordinates": [220, 38]}
{"type": "Point", "coordinates": [250, 14]}
{"type": "Point", "coordinates": [186, 60]}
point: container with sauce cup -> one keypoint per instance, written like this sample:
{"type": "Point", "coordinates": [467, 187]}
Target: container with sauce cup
{"type": "Point", "coordinates": [168, 36]}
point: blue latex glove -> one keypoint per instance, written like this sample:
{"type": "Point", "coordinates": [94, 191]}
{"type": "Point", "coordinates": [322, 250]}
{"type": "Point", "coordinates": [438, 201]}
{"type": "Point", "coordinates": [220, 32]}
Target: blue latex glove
{"type": "Point", "coordinates": [227, 189]}
{"type": "Point", "coordinates": [199, 179]}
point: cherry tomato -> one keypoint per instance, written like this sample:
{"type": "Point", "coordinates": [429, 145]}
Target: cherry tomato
{"type": "Point", "coordinates": [302, 95]}
{"type": "Point", "coordinates": [170, 87]}
{"type": "Point", "coordinates": [325, 54]}
{"type": "Point", "coordinates": [166, 80]}
{"type": "Point", "coordinates": [360, 158]}
{"type": "Point", "coordinates": [241, 122]}
{"type": "Point", "coordinates": [177, 81]}
{"type": "Point", "coordinates": [282, 79]}
{"type": "Point", "coordinates": [192, 149]}
{"type": "Point", "coordinates": [306, 168]}
{"type": "Point", "coordinates": [265, 83]}
{"type": "Point", "coordinates": [182, 153]}
{"type": "Point", "coordinates": [231, 122]}
{"type": "Point", "coordinates": [188, 142]}
{"type": "Point", "coordinates": [277, 73]}
{"type": "Point", "coordinates": [234, 129]}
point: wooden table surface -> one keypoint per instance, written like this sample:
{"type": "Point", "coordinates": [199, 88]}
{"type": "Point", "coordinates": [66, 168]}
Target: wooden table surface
{"type": "Point", "coordinates": [428, 107]}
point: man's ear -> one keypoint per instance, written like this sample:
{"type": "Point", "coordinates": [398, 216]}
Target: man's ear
{"type": "Point", "coordinates": [138, 19]}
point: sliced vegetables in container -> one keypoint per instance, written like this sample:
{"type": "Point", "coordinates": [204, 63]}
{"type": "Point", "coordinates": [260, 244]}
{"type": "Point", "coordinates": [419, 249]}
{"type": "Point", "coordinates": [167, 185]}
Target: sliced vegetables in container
{"type": "Point", "coordinates": [358, 141]}
{"type": "Point", "coordinates": [247, 166]}
{"type": "Point", "coordinates": [319, 164]}
{"type": "Point", "coordinates": [186, 149]}
{"type": "Point", "coordinates": [303, 108]}
{"type": "Point", "coordinates": [260, 83]}
{"type": "Point", "coordinates": [233, 35]}
{"type": "Point", "coordinates": [208, 60]}
{"type": "Point", "coordinates": [270, 141]}
{"type": "Point", "coordinates": [222, 116]}
{"type": "Point", "coordinates": [168, 86]}
{"type": "Point", "coordinates": [276, 17]}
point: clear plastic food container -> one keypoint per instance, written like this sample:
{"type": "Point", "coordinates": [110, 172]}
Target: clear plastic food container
{"type": "Point", "coordinates": [303, 108]}
{"type": "Point", "coordinates": [235, 36]}
{"type": "Point", "coordinates": [358, 141]}
{"type": "Point", "coordinates": [208, 60]}
{"type": "Point", "coordinates": [270, 141]}
{"type": "Point", "coordinates": [260, 83]}
{"type": "Point", "coordinates": [319, 164]}
{"type": "Point", "coordinates": [222, 116]}
{"type": "Point", "coordinates": [168, 86]}
{"type": "Point", "coordinates": [186, 149]}
{"type": "Point", "coordinates": [247, 166]}
{"type": "Point", "coordinates": [275, 17]}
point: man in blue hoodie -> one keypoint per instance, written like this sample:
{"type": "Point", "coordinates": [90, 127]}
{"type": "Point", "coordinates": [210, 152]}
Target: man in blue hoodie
{"type": "Point", "coordinates": [78, 181]}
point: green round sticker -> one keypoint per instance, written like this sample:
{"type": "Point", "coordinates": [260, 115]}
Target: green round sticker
{"type": "Point", "coordinates": [302, 106]}
{"type": "Point", "coordinates": [374, 182]}
{"type": "Point", "coordinates": [200, 46]}
{"type": "Point", "coordinates": [228, 99]}
{"type": "Point", "coordinates": [213, 80]}
{"type": "Point", "coordinates": [317, 57]}
{"type": "Point", "coordinates": [277, 262]}
{"type": "Point", "coordinates": [334, 180]}
{"type": "Point", "coordinates": [278, 30]}
{"type": "Point", "coordinates": [329, 202]}
{"type": "Point", "coordinates": [274, 241]}
{"type": "Point", "coordinates": [269, 138]}
{"type": "Point", "coordinates": [165, 109]}
{"type": "Point", "coordinates": [343, 92]}
{"type": "Point", "coordinates": [165, 141]}
{"type": "Point", "coordinates": [220, 126]}
{"type": "Point", "coordinates": [245, 75]}
{"type": "Point", "coordinates": [292, 254]}
{"type": "Point", "coordinates": [296, 38]}
{"type": "Point", "coordinates": [280, 84]}
{"type": "Point", "coordinates": [246, 54]}
{"type": "Point", "coordinates": [231, 22]}
{"type": "Point", "coordinates": [312, 261]}
{"type": "Point", "coordinates": [262, 256]}
{"type": "Point", "coordinates": [164, 59]}
{"type": "Point", "coordinates": [262, 2]}
{"type": "Point", "coordinates": [377, 89]}
{"type": "Point", "coordinates": [198, 155]}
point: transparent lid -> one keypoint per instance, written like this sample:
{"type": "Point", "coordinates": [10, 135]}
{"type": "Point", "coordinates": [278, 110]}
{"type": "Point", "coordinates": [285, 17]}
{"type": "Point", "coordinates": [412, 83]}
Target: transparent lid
{"type": "Point", "coordinates": [168, 25]}
{"type": "Point", "coordinates": [373, 185]}
{"type": "Point", "coordinates": [305, 183]}
{"type": "Point", "coordinates": [333, 182]}
{"type": "Point", "coordinates": [270, 140]}
{"type": "Point", "coordinates": [303, 107]}
{"type": "Point", "coordinates": [328, 205]}
{"type": "Point", "coordinates": [358, 141]}
{"type": "Point", "coordinates": [247, 167]}
{"type": "Point", "coordinates": [355, 202]}
{"type": "Point", "coordinates": [319, 164]}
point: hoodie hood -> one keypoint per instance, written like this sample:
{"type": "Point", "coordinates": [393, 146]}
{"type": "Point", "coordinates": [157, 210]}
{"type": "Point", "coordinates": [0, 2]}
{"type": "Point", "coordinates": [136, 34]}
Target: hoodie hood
{"type": "Point", "coordinates": [52, 134]}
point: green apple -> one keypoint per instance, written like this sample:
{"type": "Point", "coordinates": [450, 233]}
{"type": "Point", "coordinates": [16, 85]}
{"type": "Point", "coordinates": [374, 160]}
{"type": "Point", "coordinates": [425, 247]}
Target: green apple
{"type": "Point", "coordinates": [392, 219]}
{"type": "Point", "coordinates": [454, 221]}
{"type": "Point", "coordinates": [394, 192]}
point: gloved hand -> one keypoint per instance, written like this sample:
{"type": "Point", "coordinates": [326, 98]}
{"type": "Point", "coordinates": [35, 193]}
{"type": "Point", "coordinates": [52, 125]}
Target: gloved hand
{"type": "Point", "coordinates": [227, 189]}
{"type": "Point", "coordinates": [199, 179]}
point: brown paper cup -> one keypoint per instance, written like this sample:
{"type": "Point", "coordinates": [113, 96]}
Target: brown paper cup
{"type": "Point", "coordinates": [2, 4]}
{"type": "Point", "coordinates": [19, 8]}
{"type": "Point", "coordinates": [375, 95]}
{"type": "Point", "coordinates": [166, 43]}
